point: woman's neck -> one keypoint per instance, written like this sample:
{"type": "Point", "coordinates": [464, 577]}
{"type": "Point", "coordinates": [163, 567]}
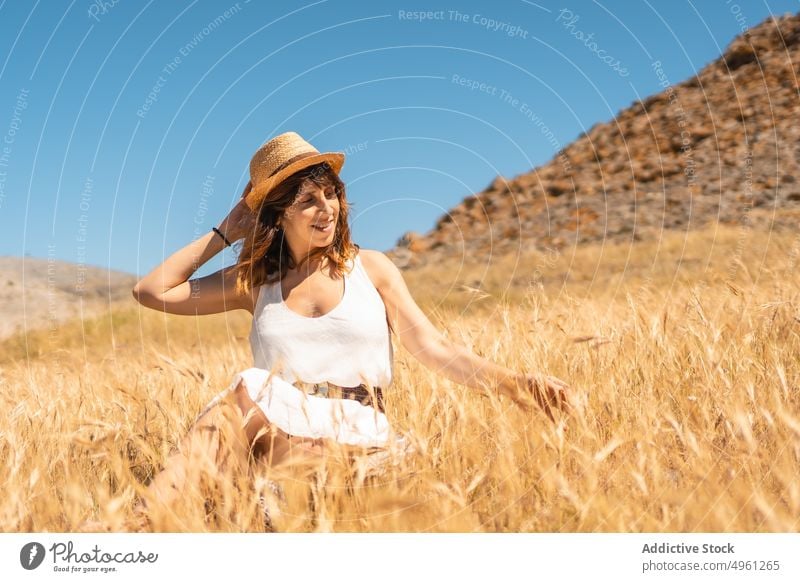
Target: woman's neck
{"type": "Point", "coordinates": [309, 266]}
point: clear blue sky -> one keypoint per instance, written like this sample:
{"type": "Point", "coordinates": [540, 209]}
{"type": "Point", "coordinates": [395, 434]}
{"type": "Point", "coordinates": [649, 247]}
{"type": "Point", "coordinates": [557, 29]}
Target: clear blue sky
{"type": "Point", "coordinates": [88, 175]}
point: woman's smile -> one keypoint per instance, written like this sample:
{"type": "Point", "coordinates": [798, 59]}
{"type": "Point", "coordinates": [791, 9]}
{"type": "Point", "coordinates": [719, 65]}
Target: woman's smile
{"type": "Point", "coordinates": [316, 208]}
{"type": "Point", "coordinates": [324, 225]}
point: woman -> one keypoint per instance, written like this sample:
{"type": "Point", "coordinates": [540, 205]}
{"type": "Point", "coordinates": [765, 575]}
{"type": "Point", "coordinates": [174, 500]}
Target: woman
{"type": "Point", "coordinates": [322, 312]}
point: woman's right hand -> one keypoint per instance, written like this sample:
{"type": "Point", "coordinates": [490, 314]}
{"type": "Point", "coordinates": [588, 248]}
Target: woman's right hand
{"type": "Point", "coordinates": [549, 393]}
{"type": "Point", "coordinates": [240, 221]}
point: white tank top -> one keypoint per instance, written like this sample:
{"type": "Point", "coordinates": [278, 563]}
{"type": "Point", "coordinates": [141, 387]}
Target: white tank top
{"type": "Point", "coordinates": [348, 346]}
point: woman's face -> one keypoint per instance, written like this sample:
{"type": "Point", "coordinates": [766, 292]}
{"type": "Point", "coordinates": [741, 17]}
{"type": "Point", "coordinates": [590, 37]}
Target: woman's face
{"type": "Point", "coordinates": [310, 221]}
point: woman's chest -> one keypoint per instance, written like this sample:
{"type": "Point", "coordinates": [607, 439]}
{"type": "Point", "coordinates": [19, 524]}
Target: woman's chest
{"type": "Point", "coordinates": [314, 296]}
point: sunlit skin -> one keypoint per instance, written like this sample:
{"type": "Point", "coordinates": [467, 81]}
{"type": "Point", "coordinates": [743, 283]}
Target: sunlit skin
{"type": "Point", "coordinates": [313, 206]}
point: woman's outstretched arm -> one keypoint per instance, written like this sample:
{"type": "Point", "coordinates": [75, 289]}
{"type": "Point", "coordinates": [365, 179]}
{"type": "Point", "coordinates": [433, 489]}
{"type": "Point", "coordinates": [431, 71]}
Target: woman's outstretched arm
{"type": "Point", "coordinates": [420, 337]}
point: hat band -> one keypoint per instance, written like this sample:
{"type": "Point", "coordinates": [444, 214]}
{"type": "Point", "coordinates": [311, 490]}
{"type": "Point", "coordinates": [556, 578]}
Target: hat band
{"type": "Point", "coordinates": [291, 161]}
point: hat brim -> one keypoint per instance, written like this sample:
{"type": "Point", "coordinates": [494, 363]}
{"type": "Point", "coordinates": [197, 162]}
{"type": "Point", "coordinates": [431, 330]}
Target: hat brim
{"type": "Point", "coordinates": [258, 193]}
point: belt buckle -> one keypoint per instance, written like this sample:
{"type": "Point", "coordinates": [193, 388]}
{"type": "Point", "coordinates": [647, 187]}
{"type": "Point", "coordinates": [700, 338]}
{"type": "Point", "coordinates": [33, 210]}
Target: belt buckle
{"type": "Point", "coordinates": [314, 389]}
{"type": "Point", "coordinates": [328, 390]}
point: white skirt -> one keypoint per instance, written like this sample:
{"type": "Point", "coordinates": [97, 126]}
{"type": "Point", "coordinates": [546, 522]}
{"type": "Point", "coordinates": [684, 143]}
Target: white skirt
{"type": "Point", "coordinates": [293, 411]}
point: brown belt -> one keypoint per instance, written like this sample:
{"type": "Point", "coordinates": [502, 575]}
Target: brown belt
{"type": "Point", "coordinates": [359, 393]}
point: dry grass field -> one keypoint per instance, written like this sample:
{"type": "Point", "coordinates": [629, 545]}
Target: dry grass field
{"type": "Point", "coordinates": [685, 350]}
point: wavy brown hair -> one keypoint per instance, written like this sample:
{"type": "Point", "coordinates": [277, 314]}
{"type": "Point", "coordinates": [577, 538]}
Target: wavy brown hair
{"type": "Point", "coordinates": [265, 257]}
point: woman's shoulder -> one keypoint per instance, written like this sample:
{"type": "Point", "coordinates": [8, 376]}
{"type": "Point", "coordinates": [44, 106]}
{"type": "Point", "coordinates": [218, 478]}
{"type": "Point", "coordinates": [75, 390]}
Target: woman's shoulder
{"type": "Point", "coordinates": [252, 300]}
{"type": "Point", "coordinates": [377, 265]}
{"type": "Point", "coordinates": [256, 291]}
{"type": "Point", "coordinates": [367, 256]}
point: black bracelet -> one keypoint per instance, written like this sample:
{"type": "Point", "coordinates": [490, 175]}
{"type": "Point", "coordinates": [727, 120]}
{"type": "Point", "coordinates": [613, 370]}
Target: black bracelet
{"type": "Point", "coordinates": [215, 229]}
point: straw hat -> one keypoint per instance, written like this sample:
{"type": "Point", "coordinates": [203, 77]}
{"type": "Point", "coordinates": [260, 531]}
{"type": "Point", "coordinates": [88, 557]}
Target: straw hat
{"type": "Point", "coordinates": [281, 157]}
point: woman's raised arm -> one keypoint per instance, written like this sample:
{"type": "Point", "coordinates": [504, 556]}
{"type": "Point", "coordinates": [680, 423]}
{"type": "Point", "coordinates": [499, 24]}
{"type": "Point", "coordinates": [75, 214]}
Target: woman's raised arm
{"type": "Point", "coordinates": [168, 287]}
{"type": "Point", "coordinates": [420, 337]}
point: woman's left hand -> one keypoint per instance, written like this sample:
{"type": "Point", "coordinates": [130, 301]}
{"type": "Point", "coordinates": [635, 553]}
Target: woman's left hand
{"type": "Point", "coordinates": [547, 392]}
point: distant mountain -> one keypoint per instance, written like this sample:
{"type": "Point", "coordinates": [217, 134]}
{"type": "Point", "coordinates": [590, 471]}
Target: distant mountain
{"type": "Point", "coordinates": [37, 293]}
{"type": "Point", "coordinates": [723, 146]}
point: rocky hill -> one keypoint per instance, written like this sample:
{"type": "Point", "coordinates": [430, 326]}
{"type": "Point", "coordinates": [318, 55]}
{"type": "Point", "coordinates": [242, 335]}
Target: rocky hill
{"type": "Point", "coordinates": [723, 146]}
{"type": "Point", "coordinates": [40, 294]}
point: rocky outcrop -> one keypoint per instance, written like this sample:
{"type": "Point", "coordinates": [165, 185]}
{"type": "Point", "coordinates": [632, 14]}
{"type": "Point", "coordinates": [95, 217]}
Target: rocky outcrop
{"type": "Point", "coordinates": [718, 147]}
